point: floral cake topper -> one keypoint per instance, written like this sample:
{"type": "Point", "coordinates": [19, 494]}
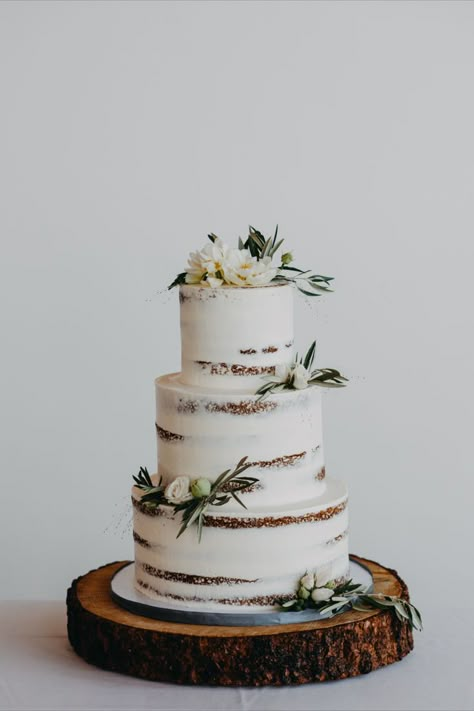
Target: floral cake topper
{"type": "Point", "coordinates": [251, 263]}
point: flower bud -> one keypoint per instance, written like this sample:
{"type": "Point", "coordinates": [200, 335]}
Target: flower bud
{"type": "Point", "coordinates": [321, 594]}
{"type": "Point", "coordinates": [200, 488]}
{"type": "Point", "coordinates": [286, 258]}
{"type": "Point", "coordinates": [303, 593]}
{"type": "Point", "coordinates": [307, 581]}
{"type": "Point", "coordinates": [331, 585]}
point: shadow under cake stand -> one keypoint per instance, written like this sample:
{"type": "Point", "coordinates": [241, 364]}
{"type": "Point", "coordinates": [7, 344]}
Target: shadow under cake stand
{"type": "Point", "coordinates": [290, 650]}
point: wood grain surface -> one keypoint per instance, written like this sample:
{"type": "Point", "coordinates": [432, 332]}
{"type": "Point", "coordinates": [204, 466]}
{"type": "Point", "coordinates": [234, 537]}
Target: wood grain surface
{"type": "Point", "coordinates": [349, 644]}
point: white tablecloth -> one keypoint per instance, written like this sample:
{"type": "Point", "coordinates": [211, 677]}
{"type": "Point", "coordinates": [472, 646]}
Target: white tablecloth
{"type": "Point", "coordinates": [40, 672]}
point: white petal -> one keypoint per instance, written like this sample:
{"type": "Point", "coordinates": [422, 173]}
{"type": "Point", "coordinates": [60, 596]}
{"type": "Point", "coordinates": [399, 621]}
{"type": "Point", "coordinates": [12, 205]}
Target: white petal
{"type": "Point", "coordinates": [213, 282]}
{"type": "Point", "coordinates": [193, 277]}
{"type": "Point", "coordinates": [307, 581]}
{"type": "Point", "coordinates": [323, 577]}
{"type": "Point", "coordinates": [321, 594]}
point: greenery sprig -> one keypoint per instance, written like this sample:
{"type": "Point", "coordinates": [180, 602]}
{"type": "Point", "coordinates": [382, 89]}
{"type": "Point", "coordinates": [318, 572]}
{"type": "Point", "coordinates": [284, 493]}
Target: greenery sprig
{"type": "Point", "coordinates": [219, 495]}
{"type": "Point", "coordinates": [347, 596]}
{"type": "Point", "coordinates": [192, 499]}
{"type": "Point", "coordinates": [154, 494]}
{"type": "Point", "coordinates": [305, 281]}
{"type": "Point", "coordinates": [259, 246]}
{"type": "Point", "coordinates": [300, 375]}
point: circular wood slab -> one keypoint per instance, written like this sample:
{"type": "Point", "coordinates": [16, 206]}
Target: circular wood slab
{"type": "Point", "coordinates": [349, 644]}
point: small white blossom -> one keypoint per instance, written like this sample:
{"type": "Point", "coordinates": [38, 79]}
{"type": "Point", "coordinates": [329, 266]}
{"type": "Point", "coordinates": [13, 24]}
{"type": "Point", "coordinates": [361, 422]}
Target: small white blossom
{"type": "Point", "coordinates": [214, 256]}
{"type": "Point", "coordinates": [195, 270]}
{"type": "Point", "coordinates": [307, 581]}
{"type": "Point", "coordinates": [208, 262]}
{"type": "Point", "coordinates": [300, 377]}
{"type": "Point", "coordinates": [178, 490]}
{"type": "Point", "coordinates": [241, 269]}
{"type": "Point", "coordinates": [321, 594]}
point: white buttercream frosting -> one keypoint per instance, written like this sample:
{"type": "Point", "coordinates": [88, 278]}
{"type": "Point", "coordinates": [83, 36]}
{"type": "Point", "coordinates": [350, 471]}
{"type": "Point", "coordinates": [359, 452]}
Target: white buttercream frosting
{"type": "Point", "coordinates": [230, 336]}
{"type": "Point", "coordinates": [207, 418]}
{"type": "Point", "coordinates": [202, 433]}
{"type": "Point", "coordinates": [261, 554]}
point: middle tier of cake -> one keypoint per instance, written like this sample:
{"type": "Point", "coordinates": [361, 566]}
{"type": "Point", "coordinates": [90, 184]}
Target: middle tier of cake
{"type": "Point", "coordinates": [202, 433]}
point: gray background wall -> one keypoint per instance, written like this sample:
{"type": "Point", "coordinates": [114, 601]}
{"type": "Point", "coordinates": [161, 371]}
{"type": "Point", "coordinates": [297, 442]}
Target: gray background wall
{"type": "Point", "coordinates": [130, 130]}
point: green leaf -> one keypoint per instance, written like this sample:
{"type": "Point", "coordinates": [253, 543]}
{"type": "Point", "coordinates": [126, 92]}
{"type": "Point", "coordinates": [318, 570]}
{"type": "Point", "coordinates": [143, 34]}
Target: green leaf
{"type": "Point", "coordinates": [309, 358]}
{"type": "Point", "coordinates": [305, 291]}
{"type": "Point", "coordinates": [180, 279]}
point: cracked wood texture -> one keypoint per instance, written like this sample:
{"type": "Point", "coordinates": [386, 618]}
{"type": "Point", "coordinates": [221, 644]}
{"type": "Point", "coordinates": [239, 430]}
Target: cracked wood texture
{"type": "Point", "coordinates": [347, 645]}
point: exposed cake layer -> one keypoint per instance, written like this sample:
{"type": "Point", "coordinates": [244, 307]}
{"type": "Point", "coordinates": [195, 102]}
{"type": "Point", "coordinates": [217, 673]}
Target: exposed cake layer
{"type": "Point", "coordinates": [203, 433]}
{"type": "Point", "coordinates": [249, 560]}
{"type": "Point", "coordinates": [231, 336]}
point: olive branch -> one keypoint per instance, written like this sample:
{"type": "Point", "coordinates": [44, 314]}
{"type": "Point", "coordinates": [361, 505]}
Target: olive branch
{"type": "Point", "coordinates": [324, 377]}
{"type": "Point", "coordinates": [354, 596]}
{"type": "Point", "coordinates": [193, 508]}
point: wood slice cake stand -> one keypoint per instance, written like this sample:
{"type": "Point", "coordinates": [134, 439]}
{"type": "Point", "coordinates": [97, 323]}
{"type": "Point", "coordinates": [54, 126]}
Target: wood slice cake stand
{"type": "Point", "coordinates": [349, 644]}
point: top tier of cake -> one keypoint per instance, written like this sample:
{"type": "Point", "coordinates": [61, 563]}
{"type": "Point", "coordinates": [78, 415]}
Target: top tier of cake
{"type": "Point", "coordinates": [231, 336]}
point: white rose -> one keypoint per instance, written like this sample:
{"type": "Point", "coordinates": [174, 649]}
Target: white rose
{"type": "Point", "coordinates": [178, 490]}
{"type": "Point", "coordinates": [307, 581]}
{"type": "Point", "coordinates": [300, 377]}
{"type": "Point", "coordinates": [321, 594]}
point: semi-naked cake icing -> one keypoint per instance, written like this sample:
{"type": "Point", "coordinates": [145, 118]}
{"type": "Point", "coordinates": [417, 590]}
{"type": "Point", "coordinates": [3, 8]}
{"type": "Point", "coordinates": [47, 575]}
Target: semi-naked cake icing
{"type": "Point", "coordinates": [208, 417]}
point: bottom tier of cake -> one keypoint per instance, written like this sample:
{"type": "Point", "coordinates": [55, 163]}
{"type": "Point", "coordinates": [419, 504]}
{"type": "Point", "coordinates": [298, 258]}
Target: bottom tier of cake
{"type": "Point", "coordinates": [251, 560]}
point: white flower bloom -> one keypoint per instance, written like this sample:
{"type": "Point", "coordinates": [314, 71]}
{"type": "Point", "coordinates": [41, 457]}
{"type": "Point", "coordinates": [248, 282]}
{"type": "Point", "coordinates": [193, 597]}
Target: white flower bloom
{"type": "Point", "coordinates": [209, 260]}
{"type": "Point", "coordinates": [300, 377]}
{"type": "Point", "coordinates": [217, 263]}
{"type": "Point", "coordinates": [321, 594]}
{"type": "Point", "coordinates": [242, 269]}
{"type": "Point", "coordinates": [195, 270]}
{"type": "Point", "coordinates": [307, 581]}
{"type": "Point", "coordinates": [214, 256]}
{"type": "Point", "coordinates": [178, 490]}
{"type": "Point", "coordinates": [261, 273]}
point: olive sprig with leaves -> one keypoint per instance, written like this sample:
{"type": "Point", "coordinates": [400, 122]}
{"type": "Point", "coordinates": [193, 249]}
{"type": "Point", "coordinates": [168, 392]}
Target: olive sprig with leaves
{"type": "Point", "coordinates": [258, 245]}
{"type": "Point", "coordinates": [195, 497]}
{"type": "Point", "coordinates": [330, 600]}
{"type": "Point", "coordinates": [222, 490]}
{"type": "Point", "coordinates": [154, 494]}
{"type": "Point", "coordinates": [299, 375]}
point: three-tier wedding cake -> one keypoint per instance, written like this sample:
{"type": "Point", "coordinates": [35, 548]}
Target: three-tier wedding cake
{"type": "Point", "coordinates": [288, 517]}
